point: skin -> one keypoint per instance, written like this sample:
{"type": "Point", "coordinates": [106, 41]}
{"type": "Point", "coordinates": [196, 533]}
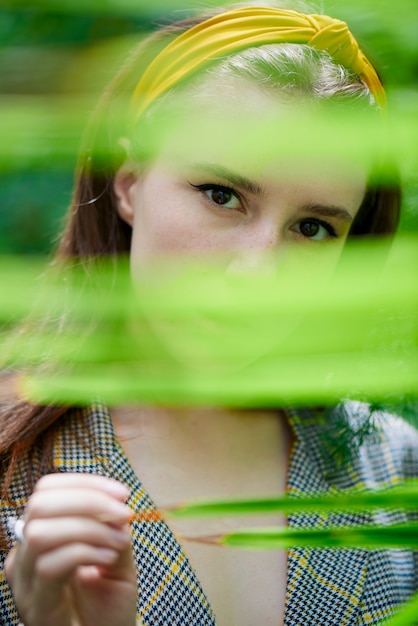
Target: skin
{"type": "Point", "coordinates": [197, 197]}
{"type": "Point", "coordinates": [75, 567]}
{"type": "Point", "coordinates": [214, 189]}
{"type": "Point", "coordinates": [204, 195]}
{"type": "Point", "coordinates": [197, 209]}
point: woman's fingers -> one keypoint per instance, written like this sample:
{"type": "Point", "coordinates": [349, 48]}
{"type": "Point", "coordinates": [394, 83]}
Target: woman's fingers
{"type": "Point", "coordinates": [46, 536]}
{"type": "Point", "coordinates": [9, 564]}
{"type": "Point", "coordinates": [69, 510]}
{"type": "Point", "coordinates": [88, 494]}
{"type": "Point", "coordinates": [85, 502]}
{"type": "Point", "coordinates": [83, 481]}
{"type": "Point", "coordinates": [48, 533]}
{"type": "Point", "coordinates": [55, 567]}
{"type": "Point", "coordinates": [76, 528]}
{"type": "Point", "coordinates": [73, 511]}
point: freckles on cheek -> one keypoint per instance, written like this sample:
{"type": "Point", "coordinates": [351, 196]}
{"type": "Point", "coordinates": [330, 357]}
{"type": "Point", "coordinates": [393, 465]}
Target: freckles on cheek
{"type": "Point", "coordinates": [164, 230]}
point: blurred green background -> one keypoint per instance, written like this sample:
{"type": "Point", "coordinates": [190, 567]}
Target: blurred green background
{"type": "Point", "coordinates": [52, 51]}
{"type": "Point", "coordinates": [44, 53]}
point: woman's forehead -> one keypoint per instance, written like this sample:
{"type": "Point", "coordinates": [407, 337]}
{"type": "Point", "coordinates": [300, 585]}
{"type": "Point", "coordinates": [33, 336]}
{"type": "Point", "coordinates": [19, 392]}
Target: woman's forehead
{"type": "Point", "coordinates": [258, 134]}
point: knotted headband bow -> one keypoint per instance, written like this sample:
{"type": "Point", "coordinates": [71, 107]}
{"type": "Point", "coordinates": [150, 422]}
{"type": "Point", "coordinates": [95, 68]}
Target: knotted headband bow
{"type": "Point", "coordinates": [245, 28]}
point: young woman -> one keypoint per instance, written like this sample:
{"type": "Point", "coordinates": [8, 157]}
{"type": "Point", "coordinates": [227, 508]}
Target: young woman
{"type": "Point", "coordinates": [74, 559]}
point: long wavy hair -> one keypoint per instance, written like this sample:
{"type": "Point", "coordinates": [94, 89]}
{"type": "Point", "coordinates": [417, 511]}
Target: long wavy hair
{"type": "Point", "coordinates": [94, 228]}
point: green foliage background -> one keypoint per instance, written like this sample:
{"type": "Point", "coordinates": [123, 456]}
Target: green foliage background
{"type": "Point", "coordinates": [53, 49]}
{"type": "Point", "coordinates": [41, 54]}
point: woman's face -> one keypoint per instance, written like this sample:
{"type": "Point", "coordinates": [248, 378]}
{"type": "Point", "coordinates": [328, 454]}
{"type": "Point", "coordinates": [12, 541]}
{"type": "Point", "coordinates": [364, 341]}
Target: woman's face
{"type": "Point", "coordinates": [208, 191]}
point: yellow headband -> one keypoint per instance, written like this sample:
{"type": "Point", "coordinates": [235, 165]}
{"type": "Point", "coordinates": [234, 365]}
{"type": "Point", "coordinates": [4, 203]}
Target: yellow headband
{"type": "Point", "coordinates": [245, 28]}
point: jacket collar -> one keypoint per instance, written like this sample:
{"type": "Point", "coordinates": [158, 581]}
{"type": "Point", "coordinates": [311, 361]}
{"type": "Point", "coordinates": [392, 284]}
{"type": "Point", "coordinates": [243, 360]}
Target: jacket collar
{"type": "Point", "coordinates": [323, 586]}
{"type": "Point", "coordinates": [169, 592]}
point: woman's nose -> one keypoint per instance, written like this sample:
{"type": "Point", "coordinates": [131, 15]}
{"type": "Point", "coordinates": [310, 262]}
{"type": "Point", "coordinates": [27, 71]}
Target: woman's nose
{"type": "Point", "coordinates": [260, 261]}
{"type": "Point", "coordinates": [265, 233]}
{"type": "Point", "coordinates": [258, 249]}
{"type": "Point", "coordinates": [257, 246]}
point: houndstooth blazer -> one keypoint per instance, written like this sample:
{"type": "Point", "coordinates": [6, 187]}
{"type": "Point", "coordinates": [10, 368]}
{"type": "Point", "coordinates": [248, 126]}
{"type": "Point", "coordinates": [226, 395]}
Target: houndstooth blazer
{"type": "Point", "coordinates": [325, 587]}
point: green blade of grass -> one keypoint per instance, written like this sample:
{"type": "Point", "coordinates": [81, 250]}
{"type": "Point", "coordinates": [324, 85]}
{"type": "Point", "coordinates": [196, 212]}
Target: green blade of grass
{"type": "Point", "coordinates": [407, 615]}
{"type": "Point", "coordinates": [404, 496]}
{"type": "Point", "coordinates": [369, 538]}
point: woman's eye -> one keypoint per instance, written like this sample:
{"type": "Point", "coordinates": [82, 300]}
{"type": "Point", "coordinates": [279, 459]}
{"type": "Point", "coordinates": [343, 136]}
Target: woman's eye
{"type": "Point", "coordinates": [315, 229]}
{"type": "Point", "coordinates": [222, 196]}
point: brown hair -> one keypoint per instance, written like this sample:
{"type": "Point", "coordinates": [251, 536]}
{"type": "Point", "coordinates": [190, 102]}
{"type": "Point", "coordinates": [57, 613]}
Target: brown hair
{"type": "Point", "coordinates": [94, 228]}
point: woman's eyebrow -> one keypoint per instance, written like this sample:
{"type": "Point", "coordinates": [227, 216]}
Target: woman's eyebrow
{"type": "Point", "coordinates": [328, 211]}
{"type": "Point", "coordinates": [225, 174]}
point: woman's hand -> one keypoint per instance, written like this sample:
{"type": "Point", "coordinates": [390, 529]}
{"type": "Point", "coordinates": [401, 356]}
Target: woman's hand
{"type": "Point", "coordinates": [75, 566]}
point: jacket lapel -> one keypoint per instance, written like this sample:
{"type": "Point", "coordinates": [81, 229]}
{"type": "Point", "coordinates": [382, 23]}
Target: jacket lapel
{"type": "Point", "coordinates": [326, 587]}
{"type": "Point", "coordinates": [169, 592]}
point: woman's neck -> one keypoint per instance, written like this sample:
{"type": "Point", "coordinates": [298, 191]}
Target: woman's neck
{"type": "Point", "coordinates": [205, 452]}
{"type": "Point", "coordinates": [184, 454]}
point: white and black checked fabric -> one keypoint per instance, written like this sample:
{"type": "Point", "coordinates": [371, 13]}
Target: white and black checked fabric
{"type": "Point", "coordinates": [342, 587]}
{"type": "Point", "coordinates": [348, 587]}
